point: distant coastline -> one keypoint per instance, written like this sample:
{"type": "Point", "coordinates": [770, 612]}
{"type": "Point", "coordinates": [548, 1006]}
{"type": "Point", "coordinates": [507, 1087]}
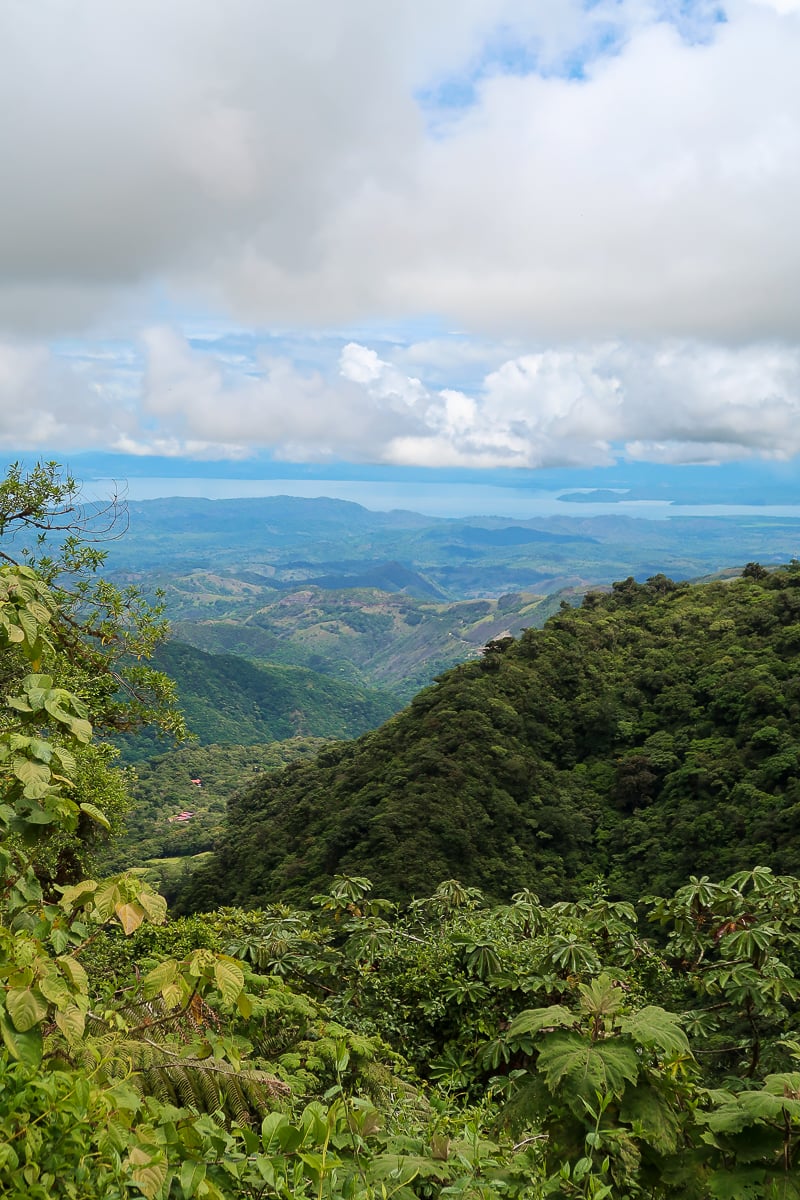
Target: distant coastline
{"type": "Point", "coordinates": [439, 499]}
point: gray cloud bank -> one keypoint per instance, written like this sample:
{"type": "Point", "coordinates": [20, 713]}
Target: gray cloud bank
{"type": "Point", "coordinates": [625, 207]}
{"type": "Point", "coordinates": [275, 156]}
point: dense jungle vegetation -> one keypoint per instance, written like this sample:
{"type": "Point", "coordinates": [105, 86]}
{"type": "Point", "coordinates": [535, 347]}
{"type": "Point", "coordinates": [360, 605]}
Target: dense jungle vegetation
{"type": "Point", "coordinates": [642, 737]}
{"type": "Point", "coordinates": [355, 1048]}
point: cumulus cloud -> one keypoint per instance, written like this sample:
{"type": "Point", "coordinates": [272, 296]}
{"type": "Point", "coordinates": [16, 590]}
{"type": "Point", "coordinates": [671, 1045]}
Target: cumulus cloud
{"type": "Point", "coordinates": [46, 400]}
{"type": "Point", "coordinates": [681, 402]}
{"type": "Point", "coordinates": [674, 401]}
{"type": "Point", "coordinates": [199, 401]}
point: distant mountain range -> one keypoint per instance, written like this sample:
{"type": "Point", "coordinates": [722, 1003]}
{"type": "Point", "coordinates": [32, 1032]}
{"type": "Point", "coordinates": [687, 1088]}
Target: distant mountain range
{"type": "Point", "coordinates": [284, 541]}
{"type": "Point", "coordinates": [389, 600]}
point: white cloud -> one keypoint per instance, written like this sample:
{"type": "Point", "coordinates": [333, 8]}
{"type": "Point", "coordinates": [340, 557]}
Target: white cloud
{"type": "Point", "coordinates": [454, 359]}
{"type": "Point", "coordinates": [195, 397]}
{"type": "Point", "coordinates": [676, 401]}
{"type": "Point", "coordinates": [654, 197]}
{"type": "Point", "coordinates": [385, 383]}
{"type": "Point", "coordinates": [55, 403]}
{"type": "Point", "coordinates": [681, 402]}
{"type": "Point", "coordinates": [784, 7]}
{"type": "Point", "coordinates": [360, 364]}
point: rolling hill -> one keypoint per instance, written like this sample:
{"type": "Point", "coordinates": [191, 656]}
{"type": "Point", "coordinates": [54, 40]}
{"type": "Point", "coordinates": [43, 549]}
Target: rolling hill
{"type": "Point", "coordinates": [281, 542]}
{"type": "Point", "coordinates": [391, 642]}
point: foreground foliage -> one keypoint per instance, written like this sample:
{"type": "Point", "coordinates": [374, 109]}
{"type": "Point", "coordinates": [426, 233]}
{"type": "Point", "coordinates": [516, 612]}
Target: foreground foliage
{"type": "Point", "coordinates": [516, 1050]}
{"type": "Point", "coordinates": [356, 1051]}
{"type": "Point", "coordinates": [352, 1050]}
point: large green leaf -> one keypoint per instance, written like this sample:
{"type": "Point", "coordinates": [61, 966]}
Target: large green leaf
{"type": "Point", "coordinates": [96, 814]}
{"type": "Point", "coordinates": [780, 1095]}
{"type": "Point", "coordinates": [657, 1029]}
{"type": "Point", "coordinates": [229, 979]}
{"type": "Point", "coordinates": [24, 1047]}
{"type": "Point", "coordinates": [39, 611]}
{"type": "Point", "coordinates": [154, 905]}
{"type": "Point", "coordinates": [581, 1067]}
{"type": "Point", "coordinates": [106, 899]}
{"type": "Point", "coordinates": [35, 777]}
{"type": "Point", "coordinates": [75, 972]}
{"type": "Point", "coordinates": [192, 1175]}
{"type": "Point", "coordinates": [532, 1020]}
{"type": "Point", "coordinates": [130, 916]}
{"type": "Point", "coordinates": [75, 894]}
{"type": "Point", "coordinates": [54, 989]}
{"type": "Point", "coordinates": [42, 750]}
{"type": "Point", "coordinates": [81, 730]}
{"type": "Point", "coordinates": [651, 1117]}
{"type": "Point", "coordinates": [37, 687]}
{"type": "Point", "coordinates": [71, 1022]}
{"type": "Point", "coordinates": [174, 994]}
{"type": "Point", "coordinates": [149, 1171]}
{"type": "Point", "coordinates": [29, 625]}
{"type": "Point", "coordinates": [602, 997]}
{"type": "Point", "coordinates": [786, 1083]}
{"type": "Point", "coordinates": [728, 1118]}
{"type": "Point", "coordinates": [28, 887]}
{"type": "Point", "coordinates": [279, 1135]}
{"type": "Point", "coordinates": [26, 1007]}
{"type": "Point", "coordinates": [67, 760]}
{"type": "Point", "coordinates": [738, 1183]}
{"type": "Point", "coordinates": [160, 977]}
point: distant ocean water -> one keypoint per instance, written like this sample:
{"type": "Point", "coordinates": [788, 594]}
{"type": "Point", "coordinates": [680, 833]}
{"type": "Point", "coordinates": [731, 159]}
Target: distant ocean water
{"type": "Point", "coordinates": [435, 500]}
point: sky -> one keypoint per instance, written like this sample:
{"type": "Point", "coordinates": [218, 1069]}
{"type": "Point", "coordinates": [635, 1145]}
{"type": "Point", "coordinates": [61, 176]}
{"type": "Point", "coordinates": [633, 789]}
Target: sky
{"type": "Point", "coordinates": [465, 234]}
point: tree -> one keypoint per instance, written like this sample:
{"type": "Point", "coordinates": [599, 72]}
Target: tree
{"type": "Point", "coordinates": [103, 633]}
{"type": "Point", "coordinates": [94, 636]}
{"type": "Point", "coordinates": [71, 1124]}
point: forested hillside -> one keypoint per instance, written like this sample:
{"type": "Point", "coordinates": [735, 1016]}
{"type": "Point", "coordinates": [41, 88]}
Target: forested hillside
{"type": "Point", "coordinates": [646, 736]}
{"type": "Point", "coordinates": [229, 700]}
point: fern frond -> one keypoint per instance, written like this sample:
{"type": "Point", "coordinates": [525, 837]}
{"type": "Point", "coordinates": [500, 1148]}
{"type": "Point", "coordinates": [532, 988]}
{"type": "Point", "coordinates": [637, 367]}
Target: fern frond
{"type": "Point", "coordinates": [153, 1052]}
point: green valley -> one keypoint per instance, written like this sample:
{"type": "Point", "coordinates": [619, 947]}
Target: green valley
{"type": "Point", "coordinates": [389, 601]}
{"type": "Point", "coordinates": [178, 801]}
